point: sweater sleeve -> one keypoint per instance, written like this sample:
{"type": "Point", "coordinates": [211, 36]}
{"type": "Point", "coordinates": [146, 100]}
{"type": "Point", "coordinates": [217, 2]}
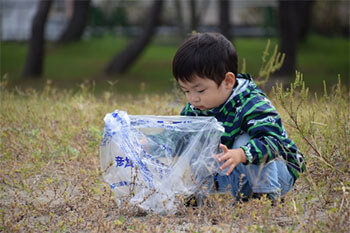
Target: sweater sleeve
{"type": "Point", "coordinates": [268, 137]}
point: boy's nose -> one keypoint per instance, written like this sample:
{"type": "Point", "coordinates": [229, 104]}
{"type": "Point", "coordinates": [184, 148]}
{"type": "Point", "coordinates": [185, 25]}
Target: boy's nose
{"type": "Point", "coordinates": [194, 98]}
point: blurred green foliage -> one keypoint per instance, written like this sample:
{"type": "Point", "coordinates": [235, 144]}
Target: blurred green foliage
{"type": "Point", "coordinates": [99, 18]}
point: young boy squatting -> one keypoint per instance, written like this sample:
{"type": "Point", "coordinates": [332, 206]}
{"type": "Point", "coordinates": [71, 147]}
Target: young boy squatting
{"type": "Point", "coordinates": [257, 155]}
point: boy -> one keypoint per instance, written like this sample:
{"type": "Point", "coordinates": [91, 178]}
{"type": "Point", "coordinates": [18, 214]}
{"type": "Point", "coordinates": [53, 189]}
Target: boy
{"type": "Point", "coordinates": [257, 156]}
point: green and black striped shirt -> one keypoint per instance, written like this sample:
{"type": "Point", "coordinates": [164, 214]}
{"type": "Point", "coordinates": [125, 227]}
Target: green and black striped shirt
{"type": "Point", "coordinates": [249, 111]}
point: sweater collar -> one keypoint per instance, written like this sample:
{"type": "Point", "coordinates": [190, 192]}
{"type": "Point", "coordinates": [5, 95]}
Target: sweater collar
{"type": "Point", "coordinates": [241, 89]}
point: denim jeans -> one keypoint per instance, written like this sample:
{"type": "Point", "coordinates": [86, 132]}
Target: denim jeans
{"type": "Point", "coordinates": [273, 178]}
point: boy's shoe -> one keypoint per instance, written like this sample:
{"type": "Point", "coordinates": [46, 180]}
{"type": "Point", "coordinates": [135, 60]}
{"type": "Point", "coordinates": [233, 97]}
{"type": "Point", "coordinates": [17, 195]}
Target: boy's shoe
{"type": "Point", "coordinates": [194, 201]}
{"type": "Point", "coordinates": [271, 196]}
{"type": "Point", "coordinates": [191, 201]}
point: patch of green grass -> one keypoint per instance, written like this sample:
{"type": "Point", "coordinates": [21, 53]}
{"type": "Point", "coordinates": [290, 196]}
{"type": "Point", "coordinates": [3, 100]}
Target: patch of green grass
{"type": "Point", "coordinates": [81, 60]}
{"type": "Point", "coordinates": [251, 50]}
{"type": "Point", "coordinates": [324, 58]}
{"type": "Point", "coordinates": [12, 58]}
{"type": "Point", "coordinates": [319, 58]}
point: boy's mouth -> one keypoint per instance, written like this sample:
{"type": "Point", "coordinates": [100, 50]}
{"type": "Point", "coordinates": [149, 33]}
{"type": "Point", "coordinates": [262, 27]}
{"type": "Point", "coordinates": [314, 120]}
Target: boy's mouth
{"type": "Point", "coordinates": [200, 107]}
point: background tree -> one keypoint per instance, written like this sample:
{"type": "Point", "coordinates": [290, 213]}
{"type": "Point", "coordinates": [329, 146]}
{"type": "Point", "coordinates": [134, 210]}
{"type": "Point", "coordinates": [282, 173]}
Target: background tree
{"type": "Point", "coordinates": [123, 60]}
{"type": "Point", "coordinates": [34, 62]}
{"type": "Point", "coordinates": [180, 21]}
{"type": "Point", "coordinates": [294, 23]}
{"type": "Point", "coordinates": [224, 19]}
{"type": "Point", "coordinates": [194, 15]}
{"type": "Point", "coordinates": [77, 23]}
{"type": "Point", "coordinates": [197, 15]}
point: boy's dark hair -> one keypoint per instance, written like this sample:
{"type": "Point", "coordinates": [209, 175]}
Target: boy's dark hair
{"type": "Point", "coordinates": [208, 55]}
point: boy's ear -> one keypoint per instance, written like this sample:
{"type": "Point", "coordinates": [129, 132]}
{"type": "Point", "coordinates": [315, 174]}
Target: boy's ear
{"type": "Point", "coordinates": [230, 80]}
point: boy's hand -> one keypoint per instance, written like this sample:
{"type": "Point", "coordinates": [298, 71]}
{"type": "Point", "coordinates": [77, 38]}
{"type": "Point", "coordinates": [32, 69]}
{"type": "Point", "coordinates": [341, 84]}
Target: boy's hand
{"type": "Point", "coordinates": [231, 157]}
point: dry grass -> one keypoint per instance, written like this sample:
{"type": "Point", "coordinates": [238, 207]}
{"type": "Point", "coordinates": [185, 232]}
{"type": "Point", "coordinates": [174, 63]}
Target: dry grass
{"type": "Point", "coordinates": [51, 181]}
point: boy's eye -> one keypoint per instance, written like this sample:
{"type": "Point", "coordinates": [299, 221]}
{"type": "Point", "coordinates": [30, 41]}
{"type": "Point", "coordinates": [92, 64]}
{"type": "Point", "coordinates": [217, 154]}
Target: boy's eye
{"type": "Point", "coordinates": [201, 91]}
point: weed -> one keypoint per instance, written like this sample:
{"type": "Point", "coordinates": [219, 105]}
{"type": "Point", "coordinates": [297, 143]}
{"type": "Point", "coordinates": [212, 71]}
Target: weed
{"type": "Point", "coordinates": [51, 181]}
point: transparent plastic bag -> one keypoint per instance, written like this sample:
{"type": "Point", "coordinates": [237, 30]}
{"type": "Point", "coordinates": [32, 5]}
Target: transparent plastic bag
{"type": "Point", "coordinates": [151, 161]}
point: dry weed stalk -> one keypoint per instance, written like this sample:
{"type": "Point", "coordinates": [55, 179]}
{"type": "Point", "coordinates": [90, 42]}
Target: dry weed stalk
{"type": "Point", "coordinates": [50, 178]}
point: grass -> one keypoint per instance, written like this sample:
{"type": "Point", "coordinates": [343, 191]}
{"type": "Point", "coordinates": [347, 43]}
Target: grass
{"type": "Point", "coordinates": [319, 58]}
{"type": "Point", "coordinates": [51, 179]}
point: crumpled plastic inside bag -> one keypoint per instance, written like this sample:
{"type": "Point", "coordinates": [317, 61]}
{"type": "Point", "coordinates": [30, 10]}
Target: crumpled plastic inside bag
{"type": "Point", "coordinates": [151, 161]}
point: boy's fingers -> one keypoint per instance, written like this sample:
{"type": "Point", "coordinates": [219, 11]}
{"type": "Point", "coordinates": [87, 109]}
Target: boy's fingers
{"type": "Point", "coordinates": [226, 164]}
{"type": "Point", "coordinates": [219, 156]}
{"type": "Point", "coordinates": [229, 163]}
{"type": "Point", "coordinates": [224, 156]}
{"type": "Point", "coordinates": [230, 169]}
{"type": "Point", "coordinates": [224, 148]}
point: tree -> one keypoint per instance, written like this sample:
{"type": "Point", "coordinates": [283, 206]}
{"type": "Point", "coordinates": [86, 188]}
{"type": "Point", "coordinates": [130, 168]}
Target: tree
{"type": "Point", "coordinates": [122, 61]}
{"type": "Point", "coordinates": [179, 20]}
{"type": "Point", "coordinates": [194, 15]}
{"type": "Point", "coordinates": [224, 15]}
{"type": "Point", "coordinates": [77, 22]}
{"type": "Point", "coordinates": [294, 19]}
{"type": "Point", "coordinates": [34, 62]}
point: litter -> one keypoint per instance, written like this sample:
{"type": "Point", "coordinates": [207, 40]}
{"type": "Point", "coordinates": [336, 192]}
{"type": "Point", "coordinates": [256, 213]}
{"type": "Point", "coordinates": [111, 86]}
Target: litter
{"type": "Point", "coordinates": [151, 161]}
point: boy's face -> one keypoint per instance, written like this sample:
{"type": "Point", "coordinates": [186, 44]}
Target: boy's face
{"type": "Point", "coordinates": [204, 93]}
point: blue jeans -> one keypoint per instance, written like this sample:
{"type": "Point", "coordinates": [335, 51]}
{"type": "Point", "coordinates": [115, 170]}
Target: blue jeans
{"type": "Point", "coordinates": [273, 178]}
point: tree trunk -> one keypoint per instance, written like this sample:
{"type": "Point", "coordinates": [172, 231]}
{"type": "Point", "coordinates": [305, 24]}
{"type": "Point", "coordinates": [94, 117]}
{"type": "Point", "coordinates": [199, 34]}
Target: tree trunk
{"type": "Point", "coordinates": [122, 61]}
{"type": "Point", "coordinates": [305, 8]}
{"type": "Point", "coordinates": [294, 17]}
{"type": "Point", "coordinates": [194, 16]}
{"type": "Point", "coordinates": [77, 23]}
{"type": "Point", "coordinates": [288, 36]}
{"type": "Point", "coordinates": [34, 62]}
{"type": "Point", "coordinates": [224, 15]}
{"type": "Point", "coordinates": [180, 21]}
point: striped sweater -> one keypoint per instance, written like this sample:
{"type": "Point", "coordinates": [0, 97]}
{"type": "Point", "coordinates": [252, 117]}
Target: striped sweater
{"type": "Point", "coordinates": [248, 110]}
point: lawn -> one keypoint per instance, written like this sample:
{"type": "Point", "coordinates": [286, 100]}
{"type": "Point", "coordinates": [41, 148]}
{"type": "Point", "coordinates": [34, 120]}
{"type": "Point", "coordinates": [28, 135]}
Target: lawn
{"type": "Point", "coordinates": [50, 132]}
{"type": "Point", "coordinates": [51, 179]}
{"type": "Point", "coordinates": [319, 58]}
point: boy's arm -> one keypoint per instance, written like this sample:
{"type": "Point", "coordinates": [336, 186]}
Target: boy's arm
{"type": "Point", "coordinates": [268, 137]}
